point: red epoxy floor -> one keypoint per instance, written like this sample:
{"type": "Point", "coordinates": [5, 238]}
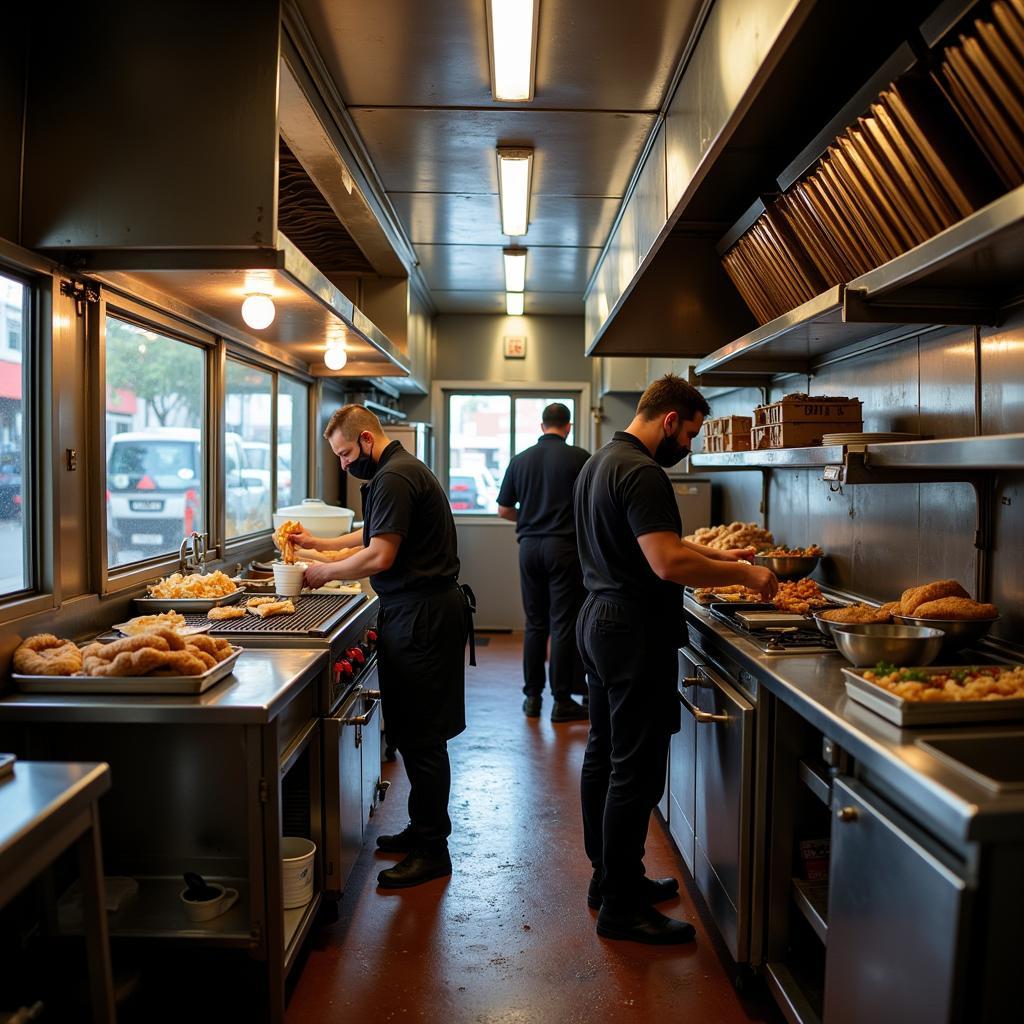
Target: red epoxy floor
{"type": "Point", "coordinates": [508, 939]}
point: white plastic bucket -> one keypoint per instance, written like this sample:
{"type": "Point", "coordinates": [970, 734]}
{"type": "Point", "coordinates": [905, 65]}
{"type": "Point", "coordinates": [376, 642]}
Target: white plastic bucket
{"type": "Point", "coordinates": [297, 871]}
{"type": "Point", "coordinates": [288, 578]}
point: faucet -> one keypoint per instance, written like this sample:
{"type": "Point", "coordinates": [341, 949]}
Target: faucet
{"type": "Point", "coordinates": [192, 553]}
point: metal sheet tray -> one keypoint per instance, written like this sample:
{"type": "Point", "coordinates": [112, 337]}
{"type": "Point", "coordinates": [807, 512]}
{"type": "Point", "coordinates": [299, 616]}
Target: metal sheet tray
{"type": "Point", "coordinates": [910, 712]}
{"type": "Point", "coordinates": [186, 604]}
{"type": "Point", "coordinates": [130, 684]}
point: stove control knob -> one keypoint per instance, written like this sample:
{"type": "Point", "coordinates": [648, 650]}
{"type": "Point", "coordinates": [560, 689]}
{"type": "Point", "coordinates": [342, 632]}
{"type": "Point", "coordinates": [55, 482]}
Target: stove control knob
{"type": "Point", "coordinates": [343, 667]}
{"type": "Point", "coordinates": [356, 655]}
{"type": "Point", "coordinates": [371, 639]}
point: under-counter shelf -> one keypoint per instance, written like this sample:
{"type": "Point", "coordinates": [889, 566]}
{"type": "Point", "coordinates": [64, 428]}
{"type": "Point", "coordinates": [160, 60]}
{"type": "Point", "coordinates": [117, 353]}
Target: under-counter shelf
{"type": "Point", "coordinates": [297, 923]}
{"type": "Point", "coordinates": [811, 899]}
{"type": "Point", "coordinates": [967, 274]}
{"type": "Point", "coordinates": [817, 781]}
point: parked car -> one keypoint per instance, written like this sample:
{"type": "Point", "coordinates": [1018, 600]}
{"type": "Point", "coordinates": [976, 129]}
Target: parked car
{"type": "Point", "coordinates": [470, 491]}
{"type": "Point", "coordinates": [154, 491]}
{"type": "Point", "coordinates": [10, 484]}
{"type": "Point", "coordinates": [257, 459]}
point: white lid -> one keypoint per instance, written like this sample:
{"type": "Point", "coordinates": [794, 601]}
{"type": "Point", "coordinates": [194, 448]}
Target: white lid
{"type": "Point", "coordinates": [313, 508]}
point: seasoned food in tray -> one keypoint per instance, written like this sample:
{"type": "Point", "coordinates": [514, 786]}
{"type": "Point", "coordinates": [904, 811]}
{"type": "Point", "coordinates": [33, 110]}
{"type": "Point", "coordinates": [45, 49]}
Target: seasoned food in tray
{"type": "Point", "coordinates": [974, 683]}
{"type": "Point", "coordinates": [857, 614]}
{"type": "Point", "coordinates": [733, 535]}
{"type": "Point", "coordinates": [800, 597]}
{"type": "Point", "coordinates": [195, 585]}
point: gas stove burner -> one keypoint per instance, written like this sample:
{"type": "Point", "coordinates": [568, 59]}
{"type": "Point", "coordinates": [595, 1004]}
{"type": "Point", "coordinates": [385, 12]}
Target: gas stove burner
{"type": "Point", "coordinates": [777, 640]}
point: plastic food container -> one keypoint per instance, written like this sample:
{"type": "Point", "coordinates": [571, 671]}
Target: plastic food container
{"type": "Point", "coordinates": [288, 578]}
{"type": "Point", "coordinates": [297, 871]}
{"type": "Point", "coordinates": [319, 518]}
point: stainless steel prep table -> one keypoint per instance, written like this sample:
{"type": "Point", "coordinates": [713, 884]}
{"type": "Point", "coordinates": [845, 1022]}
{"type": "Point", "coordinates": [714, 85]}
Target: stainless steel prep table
{"type": "Point", "coordinates": [200, 786]}
{"type": "Point", "coordinates": [955, 808]}
{"type": "Point", "coordinates": [44, 809]}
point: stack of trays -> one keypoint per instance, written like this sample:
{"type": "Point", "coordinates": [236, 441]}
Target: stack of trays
{"type": "Point", "coordinates": [876, 437]}
{"type": "Point", "coordinates": [983, 80]}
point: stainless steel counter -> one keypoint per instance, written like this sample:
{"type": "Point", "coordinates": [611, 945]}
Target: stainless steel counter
{"type": "Point", "coordinates": [263, 682]}
{"type": "Point", "coordinates": [946, 801]}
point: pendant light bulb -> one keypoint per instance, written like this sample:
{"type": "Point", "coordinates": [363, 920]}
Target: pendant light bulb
{"type": "Point", "coordinates": [258, 311]}
{"type": "Point", "coordinates": [336, 356]}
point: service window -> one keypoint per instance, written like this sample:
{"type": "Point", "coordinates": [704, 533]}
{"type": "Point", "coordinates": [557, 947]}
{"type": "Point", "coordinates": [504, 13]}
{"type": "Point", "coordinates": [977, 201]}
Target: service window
{"type": "Point", "coordinates": [527, 419]}
{"type": "Point", "coordinates": [292, 441]}
{"type": "Point", "coordinates": [15, 545]}
{"type": "Point", "coordinates": [248, 449]}
{"type": "Point", "coordinates": [154, 442]}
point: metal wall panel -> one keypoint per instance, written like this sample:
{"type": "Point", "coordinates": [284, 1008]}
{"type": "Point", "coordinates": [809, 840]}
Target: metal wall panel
{"type": "Point", "coordinates": [13, 48]}
{"type": "Point", "coordinates": [1007, 580]}
{"type": "Point", "coordinates": [648, 197]}
{"type": "Point", "coordinates": [1002, 377]}
{"type": "Point", "coordinates": [142, 168]}
{"type": "Point", "coordinates": [947, 376]}
{"type": "Point", "coordinates": [732, 46]}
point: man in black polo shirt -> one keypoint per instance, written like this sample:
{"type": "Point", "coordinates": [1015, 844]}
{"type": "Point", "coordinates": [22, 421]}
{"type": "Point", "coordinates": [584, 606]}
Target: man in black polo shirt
{"type": "Point", "coordinates": [634, 567]}
{"type": "Point", "coordinates": [540, 480]}
{"type": "Point", "coordinates": [410, 556]}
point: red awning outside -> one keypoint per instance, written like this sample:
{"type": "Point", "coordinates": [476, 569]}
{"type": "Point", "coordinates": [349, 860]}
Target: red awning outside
{"type": "Point", "coordinates": [120, 400]}
{"type": "Point", "coordinates": [10, 379]}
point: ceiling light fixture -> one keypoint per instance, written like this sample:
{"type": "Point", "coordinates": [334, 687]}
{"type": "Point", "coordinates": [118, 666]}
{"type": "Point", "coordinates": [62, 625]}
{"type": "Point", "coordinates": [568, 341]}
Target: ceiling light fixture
{"type": "Point", "coordinates": [515, 303]}
{"type": "Point", "coordinates": [512, 29]}
{"type": "Point", "coordinates": [258, 311]}
{"type": "Point", "coordinates": [515, 170]}
{"type": "Point", "coordinates": [515, 270]}
{"type": "Point", "coordinates": [335, 355]}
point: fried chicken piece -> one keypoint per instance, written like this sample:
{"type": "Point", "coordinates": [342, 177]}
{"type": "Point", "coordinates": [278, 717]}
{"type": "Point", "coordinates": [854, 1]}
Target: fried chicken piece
{"type": "Point", "coordinates": [255, 602]}
{"type": "Point", "coordinates": [181, 663]}
{"type": "Point", "coordinates": [916, 596]}
{"type": "Point", "coordinates": [285, 607]}
{"type": "Point", "coordinates": [134, 643]}
{"type": "Point", "coordinates": [144, 623]}
{"type": "Point", "coordinates": [955, 608]}
{"type": "Point", "coordinates": [857, 613]}
{"type": "Point", "coordinates": [137, 662]}
{"type": "Point", "coordinates": [231, 611]}
{"type": "Point", "coordinates": [284, 539]}
{"type": "Point", "coordinates": [213, 646]}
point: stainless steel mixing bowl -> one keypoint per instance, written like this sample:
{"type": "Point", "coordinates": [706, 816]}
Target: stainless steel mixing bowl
{"type": "Point", "coordinates": [865, 645]}
{"type": "Point", "coordinates": [789, 567]}
{"type": "Point", "coordinates": [959, 633]}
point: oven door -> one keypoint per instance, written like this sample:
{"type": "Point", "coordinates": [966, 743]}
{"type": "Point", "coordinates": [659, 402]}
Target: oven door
{"type": "Point", "coordinates": [724, 726]}
{"type": "Point", "coordinates": [682, 764]}
{"type": "Point", "coordinates": [370, 748]}
{"type": "Point", "coordinates": [343, 786]}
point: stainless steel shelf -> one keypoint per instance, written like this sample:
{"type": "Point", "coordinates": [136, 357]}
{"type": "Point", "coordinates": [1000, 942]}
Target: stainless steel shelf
{"type": "Point", "coordinates": [817, 782]}
{"type": "Point", "coordinates": [964, 455]}
{"type": "Point", "coordinates": [770, 458]}
{"type": "Point", "coordinates": [811, 899]}
{"type": "Point", "coordinates": [297, 923]}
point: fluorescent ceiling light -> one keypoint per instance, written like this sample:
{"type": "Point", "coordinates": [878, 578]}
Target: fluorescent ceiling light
{"type": "Point", "coordinates": [513, 37]}
{"type": "Point", "coordinates": [515, 270]}
{"type": "Point", "coordinates": [514, 303]}
{"type": "Point", "coordinates": [515, 168]}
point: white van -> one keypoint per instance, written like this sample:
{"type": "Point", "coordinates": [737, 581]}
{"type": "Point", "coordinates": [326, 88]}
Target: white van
{"type": "Point", "coordinates": [154, 491]}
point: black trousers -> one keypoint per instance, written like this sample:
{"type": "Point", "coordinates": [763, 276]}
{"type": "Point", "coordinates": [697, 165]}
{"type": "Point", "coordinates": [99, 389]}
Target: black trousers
{"type": "Point", "coordinates": [552, 585]}
{"type": "Point", "coordinates": [430, 783]}
{"type": "Point", "coordinates": [631, 663]}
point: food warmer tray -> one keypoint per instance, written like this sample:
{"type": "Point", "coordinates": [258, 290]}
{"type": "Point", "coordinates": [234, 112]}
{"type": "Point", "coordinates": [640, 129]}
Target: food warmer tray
{"type": "Point", "coordinates": [188, 685]}
{"type": "Point", "coordinates": [908, 713]}
{"type": "Point", "coordinates": [186, 604]}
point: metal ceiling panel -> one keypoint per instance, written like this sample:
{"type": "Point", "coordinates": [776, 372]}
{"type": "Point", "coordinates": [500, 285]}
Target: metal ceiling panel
{"type": "Point", "coordinates": [433, 218]}
{"type": "Point", "coordinates": [601, 55]}
{"type": "Point", "coordinates": [480, 268]}
{"type": "Point", "coordinates": [537, 303]}
{"type": "Point", "coordinates": [577, 153]}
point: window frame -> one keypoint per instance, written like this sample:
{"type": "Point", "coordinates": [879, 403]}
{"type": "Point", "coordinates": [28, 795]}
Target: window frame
{"type": "Point", "coordinates": [442, 391]}
{"type": "Point", "coordinates": [116, 579]}
{"type": "Point", "coordinates": [38, 429]}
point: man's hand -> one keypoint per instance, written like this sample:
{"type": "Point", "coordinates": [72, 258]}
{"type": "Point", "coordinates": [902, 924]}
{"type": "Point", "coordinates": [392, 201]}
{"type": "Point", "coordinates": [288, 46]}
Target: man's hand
{"type": "Point", "coordinates": [318, 573]}
{"type": "Point", "coordinates": [739, 555]}
{"type": "Point", "coordinates": [304, 539]}
{"type": "Point", "coordinates": [762, 580]}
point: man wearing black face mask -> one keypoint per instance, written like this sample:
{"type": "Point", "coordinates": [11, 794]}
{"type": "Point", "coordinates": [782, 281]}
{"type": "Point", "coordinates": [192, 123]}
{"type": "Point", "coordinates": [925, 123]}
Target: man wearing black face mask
{"type": "Point", "coordinates": [629, 631]}
{"type": "Point", "coordinates": [410, 555]}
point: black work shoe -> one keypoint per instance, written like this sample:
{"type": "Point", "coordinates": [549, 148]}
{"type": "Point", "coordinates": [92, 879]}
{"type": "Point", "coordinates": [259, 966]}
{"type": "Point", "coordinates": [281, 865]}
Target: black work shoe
{"type": "Point", "coordinates": [655, 890]}
{"type": "Point", "coordinates": [569, 711]}
{"type": "Point", "coordinates": [646, 925]}
{"type": "Point", "coordinates": [419, 867]}
{"type": "Point", "coordinates": [531, 707]}
{"type": "Point", "coordinates": [400, 842]}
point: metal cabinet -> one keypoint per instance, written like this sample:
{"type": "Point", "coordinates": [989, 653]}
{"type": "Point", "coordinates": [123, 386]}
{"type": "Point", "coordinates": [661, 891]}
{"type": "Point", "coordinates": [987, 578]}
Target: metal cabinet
{"type": "Point", "coordinates": [682, 770]}
{"type": "Point", "coordinates": [896, 915]}
{"type": "Point", "coordinates": [343, 787]}
{"type": "Point", "coordinates": [722, 808]}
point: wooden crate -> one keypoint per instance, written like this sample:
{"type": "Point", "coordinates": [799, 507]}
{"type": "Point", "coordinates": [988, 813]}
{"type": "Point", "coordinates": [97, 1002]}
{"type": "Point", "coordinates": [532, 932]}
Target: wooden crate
{"type": "Point", "coordinates": [737, 442]}
{"type": "Point", "coordinates": [797, 435]}
{"type": "Point", "coordinates": [837, 414]}
{"type": "Point", "coordinates": [727, 425]}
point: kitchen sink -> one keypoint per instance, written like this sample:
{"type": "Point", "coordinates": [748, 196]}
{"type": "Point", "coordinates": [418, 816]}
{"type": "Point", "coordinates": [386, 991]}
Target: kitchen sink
{"type": "Point", "coordinates": [994, 759]}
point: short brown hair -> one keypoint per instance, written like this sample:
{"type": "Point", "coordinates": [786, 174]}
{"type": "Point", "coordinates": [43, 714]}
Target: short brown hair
{"type": "Point", "coordinates": [671, 394]}
{"type": "Point", "coordinates": [352, 420]}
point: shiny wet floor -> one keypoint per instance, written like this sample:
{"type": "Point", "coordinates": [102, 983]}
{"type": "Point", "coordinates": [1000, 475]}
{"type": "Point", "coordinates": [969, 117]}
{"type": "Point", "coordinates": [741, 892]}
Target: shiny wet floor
{"type": "Point", "coordinates": [508, 939]}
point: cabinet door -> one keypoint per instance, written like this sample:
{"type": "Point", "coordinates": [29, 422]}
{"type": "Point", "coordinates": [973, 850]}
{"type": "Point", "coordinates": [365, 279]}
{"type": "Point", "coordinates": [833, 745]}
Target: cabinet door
{"type": "Point", "coordinates": [682, 768]}
{"type": "Point", "coordinates": [895, 917]}
{"type": "Point", "coordinates": [343, 812]}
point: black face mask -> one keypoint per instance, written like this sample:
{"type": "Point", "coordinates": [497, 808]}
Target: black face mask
{"type": "Point", "coordinates": [670, 451]}
{"type": "Point", "coordinates": [363, 467]}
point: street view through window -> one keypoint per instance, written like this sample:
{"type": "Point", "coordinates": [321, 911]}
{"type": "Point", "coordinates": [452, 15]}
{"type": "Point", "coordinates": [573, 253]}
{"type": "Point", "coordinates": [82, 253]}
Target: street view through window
{"type": "Point", "coordinates": [14, 545]}
{"type": "Point", "coordinates": [247, 449]}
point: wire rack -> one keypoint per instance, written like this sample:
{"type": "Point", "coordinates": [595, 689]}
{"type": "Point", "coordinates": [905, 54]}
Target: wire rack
{"type": "Point", "coordinates": [315, 615]}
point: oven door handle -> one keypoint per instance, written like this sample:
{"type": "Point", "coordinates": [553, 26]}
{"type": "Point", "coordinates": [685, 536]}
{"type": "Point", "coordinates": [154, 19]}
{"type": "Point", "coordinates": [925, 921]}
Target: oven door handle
{"type": "Point", "coordinates": [702, 717]}
{"type": "Point", "coordinates": [366, 717]}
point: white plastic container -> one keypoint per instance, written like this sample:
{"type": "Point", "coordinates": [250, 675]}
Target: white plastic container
{"type": "Point", "coordinates": [319, 518]}
{"type": "Point", "coordinates": [297, 871]}
{"type": "Point", "coordinates": [288, 578]}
